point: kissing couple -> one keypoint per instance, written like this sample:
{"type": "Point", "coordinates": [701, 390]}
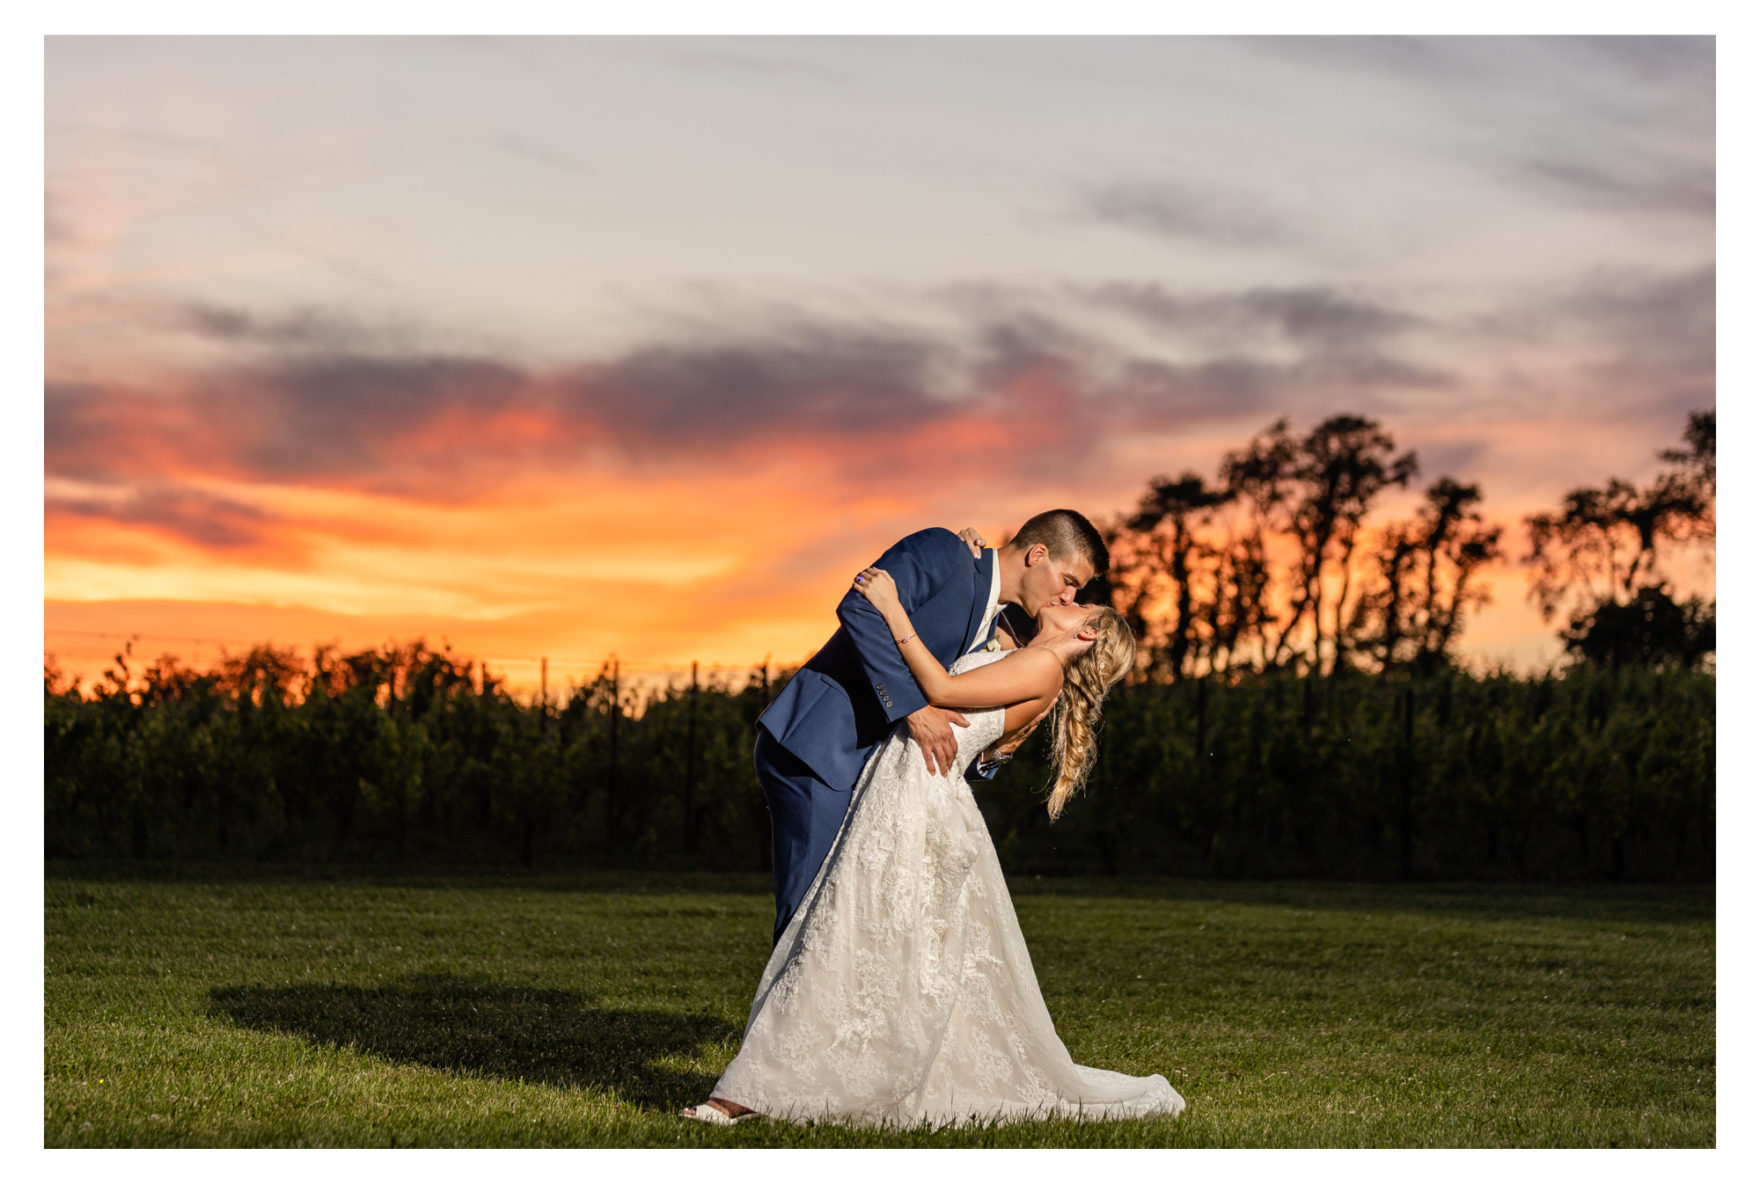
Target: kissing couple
{"type": "Point", "coordinates": [899, 991]}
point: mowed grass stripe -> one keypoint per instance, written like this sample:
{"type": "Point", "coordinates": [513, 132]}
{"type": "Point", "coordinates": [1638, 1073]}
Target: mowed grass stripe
{"type": "Point", "coordinates": [228, 1007]}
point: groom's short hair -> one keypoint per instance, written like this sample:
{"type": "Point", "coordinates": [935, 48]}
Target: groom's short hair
{"type": "Point", "coordinates": [1065, 533]}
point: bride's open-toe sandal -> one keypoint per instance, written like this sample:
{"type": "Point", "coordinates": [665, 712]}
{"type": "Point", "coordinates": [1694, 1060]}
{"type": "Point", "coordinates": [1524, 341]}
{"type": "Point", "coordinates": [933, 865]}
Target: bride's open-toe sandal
{"type": "Point", "coordinates": [708, 1114]}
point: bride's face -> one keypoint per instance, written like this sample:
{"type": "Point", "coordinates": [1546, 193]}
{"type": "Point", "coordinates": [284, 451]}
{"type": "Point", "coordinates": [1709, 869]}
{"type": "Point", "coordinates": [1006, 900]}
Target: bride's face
{"type": "Point", "coordinates": [1057, 621]}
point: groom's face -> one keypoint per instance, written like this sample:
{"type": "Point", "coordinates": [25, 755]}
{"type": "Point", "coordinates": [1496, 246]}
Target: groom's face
{"type": "Point", "coordinates": [1051, 580]}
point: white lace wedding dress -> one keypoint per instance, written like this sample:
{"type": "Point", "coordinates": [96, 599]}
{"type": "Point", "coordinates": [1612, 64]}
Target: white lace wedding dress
{"type": "Point", "coordinates": [901, 993]}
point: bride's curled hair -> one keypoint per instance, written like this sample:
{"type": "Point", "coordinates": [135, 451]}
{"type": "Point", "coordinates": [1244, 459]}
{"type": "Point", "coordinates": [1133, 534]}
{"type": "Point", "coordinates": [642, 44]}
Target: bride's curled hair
{"type": "Point", "coordinates": [1076, 718]}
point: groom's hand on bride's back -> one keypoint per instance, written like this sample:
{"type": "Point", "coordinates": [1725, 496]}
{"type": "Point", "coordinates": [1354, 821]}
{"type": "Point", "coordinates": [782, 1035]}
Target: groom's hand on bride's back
{"type": "Point", "coordinates": [932, 728]}
{"type": "Point", "coordinates": [1005, 749]}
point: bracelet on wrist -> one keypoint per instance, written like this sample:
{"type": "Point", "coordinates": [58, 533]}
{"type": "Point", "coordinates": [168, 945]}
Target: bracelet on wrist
{"type": "Point", "coordinates": [906, 638]}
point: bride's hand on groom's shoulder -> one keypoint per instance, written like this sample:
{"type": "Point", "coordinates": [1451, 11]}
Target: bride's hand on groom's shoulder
{"type": "Point", "coordinates": [973, 540]}
{"type": "Point", "coordinates": [877, 585]}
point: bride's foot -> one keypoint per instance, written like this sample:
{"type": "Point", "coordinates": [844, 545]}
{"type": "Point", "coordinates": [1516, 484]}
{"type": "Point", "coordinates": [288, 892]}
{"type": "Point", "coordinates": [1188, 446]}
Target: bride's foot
{"type": "Point", "coordinates": [718, 1112]}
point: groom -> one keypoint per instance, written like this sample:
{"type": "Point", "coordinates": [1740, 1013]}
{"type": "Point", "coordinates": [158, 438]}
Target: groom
{"type": "Point", "coordinates": [816, 735]}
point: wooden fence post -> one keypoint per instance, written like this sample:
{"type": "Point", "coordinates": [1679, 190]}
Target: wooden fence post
{"type": "Point", "coordinates": [690, 766]}
{"type": "Point", "coordinates": [1203, 718]}
{"type": "Point", "coordinates": [1406, 769]}
{"type": "Point", "coordinates": [763, 811]}
{"type": "Point", "coordinates": [612, 816]}
{"type": "Point", "coordinates": [486, 793]}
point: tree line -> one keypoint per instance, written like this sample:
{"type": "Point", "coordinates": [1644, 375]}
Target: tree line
{"type": "Point", "coordinates": [1298, 709]}
{"type": "Point", "coordinates": [1273, 565]}
{"type": "Point", "coordinates": [408, 755]}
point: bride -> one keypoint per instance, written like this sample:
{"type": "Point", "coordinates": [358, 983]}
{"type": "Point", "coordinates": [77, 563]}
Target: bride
{"type": "Point", "coordinates": [901, 992]}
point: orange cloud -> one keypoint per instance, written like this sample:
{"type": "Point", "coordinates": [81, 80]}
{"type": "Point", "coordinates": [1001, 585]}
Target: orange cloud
{"type": "Point", "coordinates": [674, 503]}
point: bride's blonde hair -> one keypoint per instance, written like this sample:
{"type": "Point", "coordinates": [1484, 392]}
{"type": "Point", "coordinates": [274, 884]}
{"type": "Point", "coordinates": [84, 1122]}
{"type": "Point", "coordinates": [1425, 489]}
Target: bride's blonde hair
{"type": "Point", "coordinates": [1086, 680]}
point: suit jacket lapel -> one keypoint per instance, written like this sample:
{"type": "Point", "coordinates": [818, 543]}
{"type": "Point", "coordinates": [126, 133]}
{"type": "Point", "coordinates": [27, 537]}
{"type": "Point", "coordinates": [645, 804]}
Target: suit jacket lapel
{"type": "Point", "coordinates": [980, 597]}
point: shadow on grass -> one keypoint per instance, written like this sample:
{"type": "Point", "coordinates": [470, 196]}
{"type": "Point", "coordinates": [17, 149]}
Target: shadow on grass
{"type": "Point", "coordinates": [429, 876]}
{"type": "Point", "coordinates": [542, 1036]}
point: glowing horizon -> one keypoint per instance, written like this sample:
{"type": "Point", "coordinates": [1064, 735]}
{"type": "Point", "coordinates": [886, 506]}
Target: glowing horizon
{"type": "Point", "coordinates": [573, 346]}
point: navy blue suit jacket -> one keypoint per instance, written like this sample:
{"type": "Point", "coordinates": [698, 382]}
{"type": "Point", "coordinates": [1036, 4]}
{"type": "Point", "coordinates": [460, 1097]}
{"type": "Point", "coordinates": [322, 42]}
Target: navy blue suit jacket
{"type": "Point", "coordinates": [847, 697]}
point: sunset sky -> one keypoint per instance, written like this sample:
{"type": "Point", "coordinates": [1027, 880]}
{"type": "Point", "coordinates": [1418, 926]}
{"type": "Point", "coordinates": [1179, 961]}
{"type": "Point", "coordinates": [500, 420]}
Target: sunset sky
{"type": "Point", "coordinates": [571, 346]}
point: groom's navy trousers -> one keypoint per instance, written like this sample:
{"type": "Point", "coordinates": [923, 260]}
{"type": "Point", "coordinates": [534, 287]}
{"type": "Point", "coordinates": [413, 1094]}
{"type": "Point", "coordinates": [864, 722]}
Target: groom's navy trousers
{"type": "Point", "coordinates": [817, 734]}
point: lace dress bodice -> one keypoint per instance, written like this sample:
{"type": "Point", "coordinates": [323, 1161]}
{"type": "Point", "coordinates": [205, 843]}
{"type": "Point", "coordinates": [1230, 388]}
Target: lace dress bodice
{"type": "Point", "coordinates": [902, 992]}
{"type": "Point", "coordinates": [986, 727]}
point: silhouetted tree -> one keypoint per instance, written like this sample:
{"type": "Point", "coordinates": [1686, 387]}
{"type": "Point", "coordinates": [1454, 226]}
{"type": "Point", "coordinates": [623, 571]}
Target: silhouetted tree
{"type": "Point", "coordinates": [1651, 630]}
{"type": "Point", "coordinates": [1601, 546]}
{"type": "Point", "coordinates": [1261, 569]}
{"type": "Point", "coordinates": [1696, 467]}
{"type": "Point", "coordinates": [1599, 554]}
{"type": "Point", "coordinates": [1324, 485]}
{"type": "Point", "coordinates": [1161, 557]}
{"type": "Point", "coordinates": [1413, 615]}
{"type": "Point", "coordinates": [1700, 456]}
{"type": "Point", "coordinates": [1261, 477]}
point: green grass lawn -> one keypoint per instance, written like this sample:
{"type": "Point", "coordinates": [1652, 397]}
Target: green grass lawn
{"type": "Point", "coordinates": [213, 1007]}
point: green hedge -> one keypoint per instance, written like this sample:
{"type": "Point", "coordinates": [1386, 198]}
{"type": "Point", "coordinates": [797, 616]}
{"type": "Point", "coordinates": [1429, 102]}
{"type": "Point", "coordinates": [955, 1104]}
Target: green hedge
{"type": "Point", "coordinates": [1590, 775]}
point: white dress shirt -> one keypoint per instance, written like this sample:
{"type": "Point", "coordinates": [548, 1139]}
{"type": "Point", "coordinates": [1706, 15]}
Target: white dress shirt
{"type": "Point", "coordinates": [991, 610]}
